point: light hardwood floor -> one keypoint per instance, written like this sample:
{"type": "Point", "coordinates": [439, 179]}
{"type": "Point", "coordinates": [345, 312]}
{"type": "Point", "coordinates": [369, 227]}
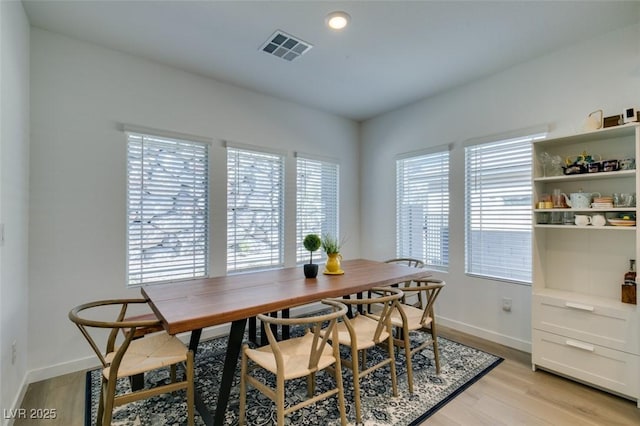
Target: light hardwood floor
{"type": "Point", "coordinates": [511, 394]}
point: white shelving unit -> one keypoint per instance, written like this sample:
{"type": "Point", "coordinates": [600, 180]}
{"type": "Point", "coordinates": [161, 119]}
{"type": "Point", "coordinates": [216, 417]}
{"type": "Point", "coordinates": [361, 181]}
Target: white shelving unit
{"type": "Point", "coordinates": [581, 329]}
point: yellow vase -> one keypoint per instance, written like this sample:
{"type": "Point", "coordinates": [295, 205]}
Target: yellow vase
{"type": "Point", "coordinates": [333, 263]}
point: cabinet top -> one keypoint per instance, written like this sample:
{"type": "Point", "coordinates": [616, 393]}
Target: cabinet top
{"type": "Point", "coordinates": [607, 133]}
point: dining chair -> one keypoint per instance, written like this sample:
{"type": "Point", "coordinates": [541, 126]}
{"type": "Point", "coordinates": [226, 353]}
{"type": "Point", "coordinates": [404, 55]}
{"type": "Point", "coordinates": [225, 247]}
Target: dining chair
{"type": "Point", "coordinates": [407, 318]}
{"type": "Point", "coordinates": [411, 262]}
{"type": "Point", "coordinates": [363, 331]}
{"type": "Point", "coordinates": [416, 263]}
{"type": "Point", "coordinates": [295, 358]}
{"type": "Point", "coordinates": [127, 354]}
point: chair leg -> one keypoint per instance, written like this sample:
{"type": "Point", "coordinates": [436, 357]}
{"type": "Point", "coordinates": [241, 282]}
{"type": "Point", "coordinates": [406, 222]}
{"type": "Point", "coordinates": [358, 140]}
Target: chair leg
{"type": "Point", "coordinates": [110, 395]}
{"type": "Point", "coordinates": [243, 390]}
{"type": "Point", "coordinates": [392, 366]}
{"type": "Point", "coordinates": [103, 390]}
{"type": "Point", "coordinates": [190, 376]}
{"type": "Point", "coordinates": [280, 399]}
{"type": "Point", "coordinates": [173, 373]}
{"type": "Point", "coordinates": [311, 384]}
{"type": "Point", "coordinates": [408, 356]}
{"type": "Point", "coordinates": [355, 367]}
{"type": "Point", "coordinates": [338, 376]}
{"type": "Point", "coordinates": [436, 351]}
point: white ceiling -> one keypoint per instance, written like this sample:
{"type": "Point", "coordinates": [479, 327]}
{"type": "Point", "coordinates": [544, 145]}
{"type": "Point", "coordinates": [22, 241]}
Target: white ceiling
{"type": "Point", "coordinates": [392, 54]}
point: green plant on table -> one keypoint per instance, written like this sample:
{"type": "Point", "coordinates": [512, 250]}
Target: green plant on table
{"type": "Point", "coordinates": [331, 244]}
{"type": "Point", "coordinates": [311, 242]}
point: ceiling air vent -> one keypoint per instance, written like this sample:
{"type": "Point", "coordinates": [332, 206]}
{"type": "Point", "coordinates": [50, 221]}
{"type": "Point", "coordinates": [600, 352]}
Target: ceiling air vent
{"type": "Point", "coordinates": [285, 46]}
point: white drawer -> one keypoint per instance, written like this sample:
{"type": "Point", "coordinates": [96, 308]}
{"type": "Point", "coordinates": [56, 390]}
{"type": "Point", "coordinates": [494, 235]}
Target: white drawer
{"type": "Point", "coordinates": [589, 322]}
{"type": "Point", "coordinates": [602, 367]}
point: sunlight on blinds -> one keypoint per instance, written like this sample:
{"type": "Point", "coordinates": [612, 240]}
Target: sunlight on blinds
{"type": "Point", "coordinates": [255, 202]}
{"type": "Point", "coordinates": [498, 209]}
{"type": "Point", "coordinates": [422, 208]}
{"type": "Point", "coordinates": [317, 203]}
{"type": "Point", "coordinates": [167, 209]}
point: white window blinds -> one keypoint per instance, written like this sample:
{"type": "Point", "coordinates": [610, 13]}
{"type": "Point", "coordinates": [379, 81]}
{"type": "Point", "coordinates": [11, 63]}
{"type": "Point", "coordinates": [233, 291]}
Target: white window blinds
{"type": "Point", "coordinates": [422, 208]}
{"type": "Point", "coordinates": [167, 209]}
{"type": "Point", "coordinates": [498, 209]}
{"type": "Point", "coordinates": [316, 203]}
{"type": "Point", "coordinates": [255, 200]}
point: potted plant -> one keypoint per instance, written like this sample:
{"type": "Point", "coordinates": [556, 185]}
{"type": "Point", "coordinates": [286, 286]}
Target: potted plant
{"type": "Point", "coordinates": [311, 242]}
{"type": "Point", "coordinates": [331, 246]}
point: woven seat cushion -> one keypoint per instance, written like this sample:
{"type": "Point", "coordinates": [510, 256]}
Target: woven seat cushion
{"type": "Point", "coordinates": [149, 353]}
{"type": "Point", "coordinates": [414, 318]}
{"type": "Point", "coordinates": [365, 329]}
{"type": "Point", "coordinates": [295, 353]}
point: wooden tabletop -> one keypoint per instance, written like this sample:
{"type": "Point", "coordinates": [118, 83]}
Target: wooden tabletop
{"type": "Point", "coordinates": [197, 304]}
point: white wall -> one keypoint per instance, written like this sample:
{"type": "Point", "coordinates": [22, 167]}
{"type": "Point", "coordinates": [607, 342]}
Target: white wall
{"type": "Point", "coordinates": [14, 187]}
{"type": "Point", "coordinates": [559, 89]}
{"type": "Point", "coordinates": [80, 93]}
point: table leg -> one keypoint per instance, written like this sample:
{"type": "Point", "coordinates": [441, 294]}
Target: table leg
{"type": "Point", "coordinates": [230, 363]}
{"type": "Point", "coordinates": [285, 328]}
{"type": "Point", "coordinates": [253, 332]}
{"type": "Point", "coordinates": [194, 341]}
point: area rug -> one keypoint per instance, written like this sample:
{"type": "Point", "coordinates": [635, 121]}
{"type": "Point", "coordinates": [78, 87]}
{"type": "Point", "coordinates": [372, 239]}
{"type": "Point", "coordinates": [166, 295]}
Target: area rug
{"type": "Point", "coordinates": [460, 365]}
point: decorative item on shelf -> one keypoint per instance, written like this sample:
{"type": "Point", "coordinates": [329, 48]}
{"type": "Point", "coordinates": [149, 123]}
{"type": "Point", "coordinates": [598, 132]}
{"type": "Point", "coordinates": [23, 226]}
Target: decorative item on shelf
{"type": "Point", "coordinates": [631, 115]}
{"type": "Point", "coordinates": [629, 285]}
{"type": "Point", "coordinates": [623, 219]}
{"type": "Point", "coordinates": [551, 164]}
{"type": "Point", "coordinates": [331, 246]}
{"type": "Point", "coordinates": [578, 165]}
{"type": "Point", "coordinates": [311, 242]}
{"type": "Point", "coordinates": [580, 200]}
{"type": "Point", "coordinates": [604, 202]}
{"type": "Point", "coordinates": [628, 164]}
{"type": "Point", "coordinates": [582, 220]}
{"type": "Point", "coordinates": [594, 121]}
{"type": "Point", "coordinates": [611, 121]}
{"type": "Point", "coordinates": [621, 199]}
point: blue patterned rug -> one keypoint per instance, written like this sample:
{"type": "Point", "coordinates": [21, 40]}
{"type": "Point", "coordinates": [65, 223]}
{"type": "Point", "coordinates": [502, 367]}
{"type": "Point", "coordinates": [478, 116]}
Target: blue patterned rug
{"type": "Point", "coordinates": [461, 366]}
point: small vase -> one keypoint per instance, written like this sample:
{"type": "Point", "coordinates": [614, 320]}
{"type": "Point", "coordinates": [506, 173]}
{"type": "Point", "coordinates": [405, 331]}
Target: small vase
{"type": "Point", "coordinates": [333, 263]}
{"type": "Point", "coordinates": [310, 270]}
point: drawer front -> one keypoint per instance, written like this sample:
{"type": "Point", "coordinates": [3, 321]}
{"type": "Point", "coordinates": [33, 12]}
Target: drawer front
{"type": "Point", "coordinates": [604, 326]}
{"type": "Point", "coordinates": [602, 367]}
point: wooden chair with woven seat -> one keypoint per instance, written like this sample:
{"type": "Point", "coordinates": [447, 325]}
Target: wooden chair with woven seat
{"type": "Point", "coordinates": [125, 355]}
{"type": "Point", "coordinates": [295, 358]}
{"type": "Point", "coordinates": [364, 331]}
{"type": "Point", "coordinates": [407, 318]}
{"type": "Point", "coordinates": [413, 263]}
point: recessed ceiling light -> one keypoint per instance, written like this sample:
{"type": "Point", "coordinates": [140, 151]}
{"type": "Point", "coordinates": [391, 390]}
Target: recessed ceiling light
{"type": "Point", "coordinates": [337, 20]}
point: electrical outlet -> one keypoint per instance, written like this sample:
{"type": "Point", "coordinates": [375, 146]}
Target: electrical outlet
{"type": "Point", "coordinates": [506, 304]}
{"type": "Point", "coordinates": [13, 353]}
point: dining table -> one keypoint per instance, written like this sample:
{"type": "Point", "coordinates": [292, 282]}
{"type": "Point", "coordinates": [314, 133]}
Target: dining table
{"type": "Point", "coordinates": [191, 306]}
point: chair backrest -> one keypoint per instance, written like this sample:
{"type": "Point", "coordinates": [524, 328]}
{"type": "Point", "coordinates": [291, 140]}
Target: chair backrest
{"type": "Point", "coordinates": [115, 325]}
{"type": "Point", "coordinates": [416, 263]}
{"type": "Point", "coordinates": [382, 301]}
{"type": "Point", "coordinates": [322, 326]}
{"type": "Point", "coordinates": [430, 288]}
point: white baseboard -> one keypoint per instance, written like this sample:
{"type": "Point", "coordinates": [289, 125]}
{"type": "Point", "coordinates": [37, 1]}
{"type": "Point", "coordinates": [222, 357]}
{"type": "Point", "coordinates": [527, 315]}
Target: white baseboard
{"type": "Point", "coordinates": [492, 336]}
{"type": "Point", "coordinates": [17, 401]}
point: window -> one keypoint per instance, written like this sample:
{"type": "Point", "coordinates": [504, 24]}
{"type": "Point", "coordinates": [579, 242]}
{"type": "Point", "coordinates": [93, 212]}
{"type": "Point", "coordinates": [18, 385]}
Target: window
{"type": "Point", "coordinates": [498, 209]}
{"type": "Point", "coordinates": [167, 209]}
{"type": "Point", "coordinates": [255, 184]}
{"type": "Point", "coordinates": [422, 215]}
{"type": "Point", "coordinates": [317, 202]}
